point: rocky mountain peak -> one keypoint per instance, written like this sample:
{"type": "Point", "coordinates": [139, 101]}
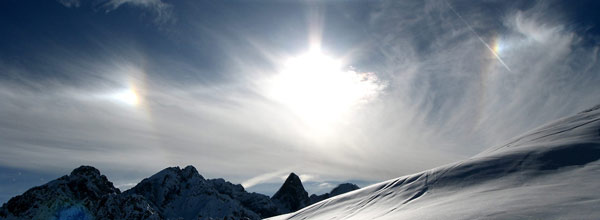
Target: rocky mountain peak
{"type": "Point", "coordinates": [293, 180]}
{"type": "Point", "coordinates": [76, 194]}
{"type": "Point", "coordinates": [190, 172]}
{"type": "Point", "coordinates": [187, 174]}
{"type": "Point", "coordinates": [88, 180]}
{"type": "Point", "coordinates": [173, 191]}
{"type": "Point", "coordinates": [85, 171]}
{"type": "Point", "coordinates": [292, 196]}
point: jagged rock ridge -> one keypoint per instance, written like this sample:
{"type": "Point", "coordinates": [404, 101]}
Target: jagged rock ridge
{"type": "Point", "coordinates": [172, 193]}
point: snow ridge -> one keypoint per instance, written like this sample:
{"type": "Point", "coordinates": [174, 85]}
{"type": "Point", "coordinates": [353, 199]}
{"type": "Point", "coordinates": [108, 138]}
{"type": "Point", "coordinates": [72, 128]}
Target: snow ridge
{"type": "Point", "coordinates": [549, 173]}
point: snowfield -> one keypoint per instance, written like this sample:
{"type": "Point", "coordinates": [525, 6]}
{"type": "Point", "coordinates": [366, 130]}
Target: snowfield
{"type": "Point", "coordinates": [552, 172]}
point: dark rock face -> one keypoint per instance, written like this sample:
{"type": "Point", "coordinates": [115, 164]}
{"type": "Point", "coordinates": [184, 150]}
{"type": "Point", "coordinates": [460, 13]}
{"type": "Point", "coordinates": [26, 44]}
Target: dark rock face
{"type": "Point", "coordinates": [258, 203]}
{"type": "Point", "coordinates": [126, 207]}
{"type": "Point", "coordinates": [338, 190]}
{"type": "Point", "coordinates": [185, 194]}
{"type": "Point", "coordinates": [291, 196]}
{"type": "Point", "coordinates": [81, 195]}
{"type": "Point", "coordinates": [87, 182]}
{"type": "Point", "coordinates": [317, 198]}
{"type": "Point", "coordinates": [343, 188]}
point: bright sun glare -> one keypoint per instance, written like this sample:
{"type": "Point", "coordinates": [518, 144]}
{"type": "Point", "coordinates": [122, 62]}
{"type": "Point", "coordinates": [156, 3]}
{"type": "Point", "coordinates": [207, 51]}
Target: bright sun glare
{"type": "Point", "coordinates": [319, 90]}
{"type": "Point", "coordinates": [128, 96]}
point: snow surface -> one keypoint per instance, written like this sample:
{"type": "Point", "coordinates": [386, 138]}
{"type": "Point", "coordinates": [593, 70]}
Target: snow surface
{"type": "Point", "coordinates": [552, 172]}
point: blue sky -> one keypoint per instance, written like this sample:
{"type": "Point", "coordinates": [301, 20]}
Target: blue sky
{"type": "Point", "coordinates": [134, 86]}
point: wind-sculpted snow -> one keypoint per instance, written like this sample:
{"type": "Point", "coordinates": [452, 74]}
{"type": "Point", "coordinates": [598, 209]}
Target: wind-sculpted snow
{"type": "Point", "coordinates": [552, 172]}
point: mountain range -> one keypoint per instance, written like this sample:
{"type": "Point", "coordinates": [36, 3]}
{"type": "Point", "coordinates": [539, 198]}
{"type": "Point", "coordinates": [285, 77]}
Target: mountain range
{"type": "Point", "coordinates": [172, 193]}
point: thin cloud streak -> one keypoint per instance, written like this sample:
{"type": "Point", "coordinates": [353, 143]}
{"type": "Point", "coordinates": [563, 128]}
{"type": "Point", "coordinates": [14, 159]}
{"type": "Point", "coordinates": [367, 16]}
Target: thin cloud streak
{"type": "Point", "coordinates": [162, 11]}
{"type": "Point", "coordinates": [265, 178]}
{"type": "Point", "coordinates": [478, 37]}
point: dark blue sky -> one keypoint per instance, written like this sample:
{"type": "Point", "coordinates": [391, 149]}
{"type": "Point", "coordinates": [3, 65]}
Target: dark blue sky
{"type": "Point", "coordinates": [133, 86]}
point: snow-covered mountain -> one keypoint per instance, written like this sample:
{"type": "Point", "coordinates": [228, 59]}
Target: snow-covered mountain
{"type": "Point", "coordinates": [84, 194]}
{"type": "Point", "coordinates": [552, 172]}
{"type": "Point", "coordinates": [183, 193]}
{"type": "Point", "coordinates": [172, 193]}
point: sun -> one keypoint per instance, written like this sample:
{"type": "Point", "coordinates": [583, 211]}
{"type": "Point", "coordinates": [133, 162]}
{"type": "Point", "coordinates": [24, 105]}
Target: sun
{"type": "Point", "coordinates": [320, 90]}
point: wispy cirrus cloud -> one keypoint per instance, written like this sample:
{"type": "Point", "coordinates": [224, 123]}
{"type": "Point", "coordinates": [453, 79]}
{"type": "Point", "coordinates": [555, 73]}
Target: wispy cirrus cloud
{"type": "Point", "coordinates": [70, 3]}
{"type": "Point", "coordinates": [163, 12]}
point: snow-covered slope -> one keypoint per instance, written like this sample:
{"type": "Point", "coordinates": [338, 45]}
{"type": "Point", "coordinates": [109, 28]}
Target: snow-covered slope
{"type": "Point", "coordinates": [552, 172]}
